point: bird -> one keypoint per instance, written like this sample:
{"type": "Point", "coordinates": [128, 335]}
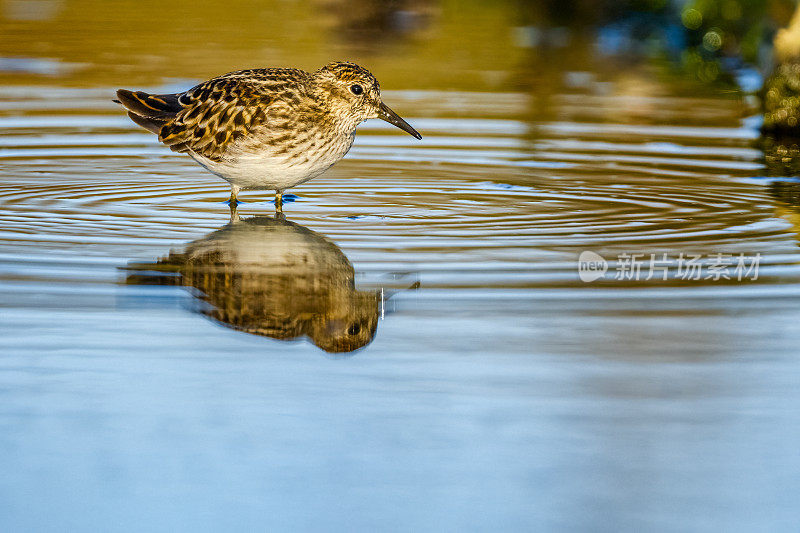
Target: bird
{"type": "Point", "coordinates": [272, 277]}
{"type": "Point", "coordinates": [269, 128]}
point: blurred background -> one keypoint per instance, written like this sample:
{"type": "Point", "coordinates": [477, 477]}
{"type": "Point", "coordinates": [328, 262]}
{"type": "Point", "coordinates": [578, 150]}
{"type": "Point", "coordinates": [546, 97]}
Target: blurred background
{"type": "Point", "coordinates": [416, 44]}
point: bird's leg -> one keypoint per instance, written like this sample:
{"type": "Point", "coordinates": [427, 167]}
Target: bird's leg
{"type": "Point", "coordinates": [233, 202]}
{"type": "Point", "coordinates": [278, 202]}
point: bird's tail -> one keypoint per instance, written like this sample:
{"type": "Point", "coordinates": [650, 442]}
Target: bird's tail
{"type": "Point", "coordinates": [150, 111]}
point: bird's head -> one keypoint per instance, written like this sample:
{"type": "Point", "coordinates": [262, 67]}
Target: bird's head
{"type": "Point", "coordinates": [352, 94]}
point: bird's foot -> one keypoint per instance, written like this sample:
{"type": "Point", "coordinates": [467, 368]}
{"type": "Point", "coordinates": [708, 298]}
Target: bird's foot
{"type": "Point", "coordinates": [281, 198]}
{"type": "Point", "coordinates": [233, 201]}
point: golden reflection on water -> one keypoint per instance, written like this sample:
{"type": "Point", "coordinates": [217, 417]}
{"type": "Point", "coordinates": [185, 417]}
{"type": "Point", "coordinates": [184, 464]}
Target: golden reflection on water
{"type": "Point", "coordinates": [150, 42]}
{"type": "Point", "coordinates": [534, 152]}
{"type": "Point", "coordinates": [269, 276]}
{"type": "Point", "coordinates": [787, 205]}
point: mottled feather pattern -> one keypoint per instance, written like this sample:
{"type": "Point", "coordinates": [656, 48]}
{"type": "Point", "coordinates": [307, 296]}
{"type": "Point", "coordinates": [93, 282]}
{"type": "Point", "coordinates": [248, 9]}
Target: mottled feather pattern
{"type": "Point", "coordinates": [268, 128]}
{"type": "Point", "coordinates": [225, 109]}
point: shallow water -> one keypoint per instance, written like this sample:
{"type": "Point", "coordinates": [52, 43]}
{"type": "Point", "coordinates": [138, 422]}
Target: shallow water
{"type": "Point", "coordinates": [141, 383]}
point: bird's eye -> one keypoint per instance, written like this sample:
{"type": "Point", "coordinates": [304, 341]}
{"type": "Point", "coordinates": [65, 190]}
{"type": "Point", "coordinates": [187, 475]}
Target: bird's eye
{"type": "Point", "coordinates": [354, 329]}
{"type": "Point", "coordinates": [356, 89]}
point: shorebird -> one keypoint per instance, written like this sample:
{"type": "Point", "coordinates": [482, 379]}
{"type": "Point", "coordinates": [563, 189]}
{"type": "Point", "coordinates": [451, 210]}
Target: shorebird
{"type": "Point", "coordinates": [266, 129]}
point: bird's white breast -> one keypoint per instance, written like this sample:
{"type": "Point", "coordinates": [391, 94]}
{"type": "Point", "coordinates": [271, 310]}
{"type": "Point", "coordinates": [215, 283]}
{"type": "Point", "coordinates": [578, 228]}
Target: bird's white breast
{"type": "Point", "coordinates": [263, 167]}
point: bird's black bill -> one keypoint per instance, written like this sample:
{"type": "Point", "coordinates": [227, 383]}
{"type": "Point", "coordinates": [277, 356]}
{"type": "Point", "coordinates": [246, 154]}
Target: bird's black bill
{"type": "Point", "coordinates": [385, 113]}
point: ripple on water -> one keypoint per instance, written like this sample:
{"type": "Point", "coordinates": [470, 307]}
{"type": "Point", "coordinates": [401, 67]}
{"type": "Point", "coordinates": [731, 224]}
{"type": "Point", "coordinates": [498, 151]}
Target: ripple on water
{"type": "Point", "coordinates": [512, 199]}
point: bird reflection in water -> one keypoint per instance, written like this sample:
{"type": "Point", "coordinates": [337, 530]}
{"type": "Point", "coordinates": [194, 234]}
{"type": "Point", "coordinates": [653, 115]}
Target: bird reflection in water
{"type": "Point", "coordinates": [268, 276]}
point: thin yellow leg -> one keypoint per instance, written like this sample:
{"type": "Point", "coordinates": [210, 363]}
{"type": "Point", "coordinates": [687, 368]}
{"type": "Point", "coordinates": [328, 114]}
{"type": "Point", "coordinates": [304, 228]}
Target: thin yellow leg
{"type": "Point", "coordinates": [278, 202]}
{"type": "Point", "coordinates": [234, 193]}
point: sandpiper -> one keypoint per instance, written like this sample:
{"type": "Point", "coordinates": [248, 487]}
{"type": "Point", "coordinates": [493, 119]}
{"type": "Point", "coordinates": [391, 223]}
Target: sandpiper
{"type": "Point", "coordinates": [266, 129]}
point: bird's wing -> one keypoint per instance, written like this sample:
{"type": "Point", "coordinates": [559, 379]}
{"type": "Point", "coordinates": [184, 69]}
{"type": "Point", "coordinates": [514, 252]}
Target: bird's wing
{"type": "Point", "coordinates": [222, 110]}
